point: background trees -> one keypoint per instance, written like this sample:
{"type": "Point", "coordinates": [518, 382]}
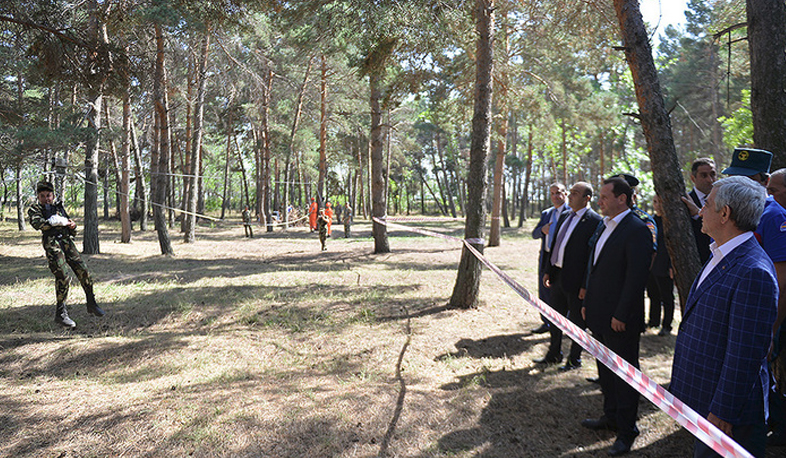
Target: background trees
{"type": "Point", "coordinates": [268, 103]}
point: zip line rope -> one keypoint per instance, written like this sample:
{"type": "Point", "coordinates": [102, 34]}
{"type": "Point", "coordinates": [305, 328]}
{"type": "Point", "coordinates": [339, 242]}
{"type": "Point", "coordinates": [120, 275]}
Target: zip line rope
{"type": "Point", "coordinates": [198, 215]}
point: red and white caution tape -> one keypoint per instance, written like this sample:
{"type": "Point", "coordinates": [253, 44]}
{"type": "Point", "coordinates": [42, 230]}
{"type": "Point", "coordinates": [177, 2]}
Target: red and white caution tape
{"type": "Point", "coordinates": [697, 425]}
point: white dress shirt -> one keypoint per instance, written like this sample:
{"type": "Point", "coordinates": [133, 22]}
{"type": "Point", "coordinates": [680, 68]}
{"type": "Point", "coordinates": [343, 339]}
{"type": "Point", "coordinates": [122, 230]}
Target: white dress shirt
{"type": "Point", "coordinates": [561, 249]}
{"type": "Point", "coordinates": [718, 252]}
{"type": "Point", "coordinates": [611, 224]}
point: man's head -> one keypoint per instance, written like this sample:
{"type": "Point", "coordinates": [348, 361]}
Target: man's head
{"type": "Point", "coordinates": [557, 194]}
{"type": "Point", "coordinates": [615, 196]}
{"type": "Point", "coordinates": [45, 192]}
{"type": "Point", "coordinates": [751, 163]}
{"type": "Point", "coordinates": [734, 206]}
{"type": "Point", "coordinates": [579, 195]}
{"type": "Point", "coordinates": [777, 186]}
{"type": "Point", "coordinates": [703, 174]}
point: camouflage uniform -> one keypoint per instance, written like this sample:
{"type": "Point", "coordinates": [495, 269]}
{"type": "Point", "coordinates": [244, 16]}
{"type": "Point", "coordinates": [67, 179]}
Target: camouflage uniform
{"type": "Point", "coordinates": [322, 225]}
{"type": "Point", "coordinates": [247, 223]}
{"type": "Point", "coordinates": [60, 249]}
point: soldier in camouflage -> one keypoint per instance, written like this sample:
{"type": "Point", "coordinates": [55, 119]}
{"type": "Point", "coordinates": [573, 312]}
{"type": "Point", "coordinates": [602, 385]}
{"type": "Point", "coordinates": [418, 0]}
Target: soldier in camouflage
{"type": "Point", "coordinates": [59, 230]}
{"type": "Point", "coordinates": [322, 226]}
{"type": "Point", "coordinates": [247, 222]}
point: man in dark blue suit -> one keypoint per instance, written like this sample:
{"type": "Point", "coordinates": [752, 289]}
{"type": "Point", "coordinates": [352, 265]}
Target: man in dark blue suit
{"type": "Point", "coordinates": [720, 367]}
{"type": "Point", "coordinates": [613, 306]}
{"type": "Point", "coordinates": [567, 266]}
{"type": "Point", "coordinates": [543, 231]}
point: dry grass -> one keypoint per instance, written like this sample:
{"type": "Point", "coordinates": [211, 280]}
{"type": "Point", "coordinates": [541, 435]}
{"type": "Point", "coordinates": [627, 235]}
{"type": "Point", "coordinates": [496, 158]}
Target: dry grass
{"type": "Point", "coordinates": [269, 347]}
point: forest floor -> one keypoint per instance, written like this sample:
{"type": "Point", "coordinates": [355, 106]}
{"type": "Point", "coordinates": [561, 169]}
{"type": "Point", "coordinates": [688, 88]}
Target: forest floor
{"type": "Point", "coordinates": [269, 347]}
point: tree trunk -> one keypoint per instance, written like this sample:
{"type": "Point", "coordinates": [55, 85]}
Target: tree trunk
{"type": "Point", "coordinates": [378, 203]}
{"type": "Point", "coordinates": [465, 291]}
{"type": "Point", "coordinates": [266, 154]}
{"type": "Point", "coordinates": [161, 143]}
{"type": "Point", "coordinates": [196, 144]}
{"type": "Point", "coordinates": [140, 193]}
{"type": "Point", "coordinates": [527, 176]}
{"type": "Point", "coordinates": [20, 202]}
{"type": "Point", "coordinates": [125, 165]}
{"type": "Point", "coordinates": [501, 100]}
{"type": "Point", "coordinates": [767, 43]}
{"type": "Point", "coordinates": [666, 169]}
{"type": "Point", "coordinates": [322, 130]}
{"type": "Point", "coordinates": [227, 160]}
{"type": "Point", "coordinates": [95, 32]}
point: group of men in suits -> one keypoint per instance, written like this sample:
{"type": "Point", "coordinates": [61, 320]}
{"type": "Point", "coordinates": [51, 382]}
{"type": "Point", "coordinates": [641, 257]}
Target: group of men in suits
{"type": "Point", "coordinates": [595, 271]}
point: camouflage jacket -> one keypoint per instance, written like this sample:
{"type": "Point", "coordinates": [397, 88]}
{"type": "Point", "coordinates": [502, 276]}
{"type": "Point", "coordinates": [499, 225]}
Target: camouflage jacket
{"type": "Point", "coordinates": [39, 215]}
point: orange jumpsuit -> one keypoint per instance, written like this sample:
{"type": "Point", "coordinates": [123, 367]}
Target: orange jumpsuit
{"type": "Point", "coordinates": [329, 214]}
{"type": "Point", "coordinates": [312, 215]}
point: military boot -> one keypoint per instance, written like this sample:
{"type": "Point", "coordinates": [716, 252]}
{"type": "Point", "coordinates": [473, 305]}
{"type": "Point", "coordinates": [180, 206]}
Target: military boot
{"type": "Point", "coordinates": [62, 318]}
{"type": "Point", "coordinates": [92, 307]}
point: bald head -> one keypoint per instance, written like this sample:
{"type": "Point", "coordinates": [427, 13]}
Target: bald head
{"type": "Point", "coordinates": [777, 186]}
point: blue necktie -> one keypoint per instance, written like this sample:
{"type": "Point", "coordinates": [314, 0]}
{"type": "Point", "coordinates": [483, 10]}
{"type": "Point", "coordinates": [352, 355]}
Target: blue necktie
{"type": "Point", "coordinates": [561, 237]}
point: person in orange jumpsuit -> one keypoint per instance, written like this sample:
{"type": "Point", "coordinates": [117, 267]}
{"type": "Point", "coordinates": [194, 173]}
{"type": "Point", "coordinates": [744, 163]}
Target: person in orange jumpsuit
{"type": "Point", "coordinates": [312, 214]}
{"type": "Point", "coordinates": [329, 215]}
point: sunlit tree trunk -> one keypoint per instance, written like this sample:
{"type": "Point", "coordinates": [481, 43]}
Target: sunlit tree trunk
{"type": "Point", "coordinates": [161, 145]}
{"type": "Point", "coordinates": [125, 165]}
{"type": "Point", "coordinates": [656, 125]}
{"type": "Point", "coordinates": [465, 291]}
{"type": "Point", "coordinates": [527, 177]}
{"type": "Point", "coordinates": [97, 36]}
{"type": "Point", "coordinates": [767, 43]}
{"type": "Point", "coordinates": [322, 130]}
{"type": "Point", "coordinates": [196, 144]}
{"type": "Point", "coordinates": [378, 201]}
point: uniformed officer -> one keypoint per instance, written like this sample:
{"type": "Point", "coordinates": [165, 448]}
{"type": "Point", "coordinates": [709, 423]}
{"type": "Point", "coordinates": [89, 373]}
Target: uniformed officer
{"type": "Point", "coordinates": [247, 222]}
{"type": "Point", "coordinates": [322, 226]}
{"type": "Point", "coordinates": [58, 230]}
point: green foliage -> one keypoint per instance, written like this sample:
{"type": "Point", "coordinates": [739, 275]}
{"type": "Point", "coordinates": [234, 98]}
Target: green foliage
{"type": "Point", "coordinates": [738, 127]}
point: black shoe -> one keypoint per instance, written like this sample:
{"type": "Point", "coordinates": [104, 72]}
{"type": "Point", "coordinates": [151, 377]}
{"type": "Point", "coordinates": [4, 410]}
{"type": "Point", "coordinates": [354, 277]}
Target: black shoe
{"type": "Point", "coordinates": [548, 359]}
{"type": "Point", "coordinates": [62, 318]}
{"type": "Point", "coordinates": [94, 309]}
{"type": "Point", "coordinates": [664, 332]}
{"type": "Point", "coordinates": [570, 365]}
{"type": "Point", "coordinates": [543, 328]}
{"type": "Point", "coordinates": [600, 424]}
{"type": "Point", "coordinates": [619, 448]}
{"type": "Point", "coordinates": [593, 380]}
{"type": "Point", "coordinates": [776, 439]}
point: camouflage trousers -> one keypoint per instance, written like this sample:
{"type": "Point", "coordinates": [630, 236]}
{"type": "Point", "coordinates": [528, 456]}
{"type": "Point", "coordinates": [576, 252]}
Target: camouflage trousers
{"type": "Point", "coordinates": [58, 253]}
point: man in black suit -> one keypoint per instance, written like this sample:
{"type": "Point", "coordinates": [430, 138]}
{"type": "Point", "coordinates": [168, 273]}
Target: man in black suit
{"type": "Point", "coordinates": [703, 175]}
{"type": "Point", "coordinates": [613, 306]}
{"type": "Point", "coordinates": [543, 231]}
{"type": "Point", "coordinates": [567, 267]}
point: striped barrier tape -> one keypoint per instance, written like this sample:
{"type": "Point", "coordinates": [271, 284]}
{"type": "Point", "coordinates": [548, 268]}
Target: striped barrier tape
{"type": "Point", "coordinates": [697, 425]}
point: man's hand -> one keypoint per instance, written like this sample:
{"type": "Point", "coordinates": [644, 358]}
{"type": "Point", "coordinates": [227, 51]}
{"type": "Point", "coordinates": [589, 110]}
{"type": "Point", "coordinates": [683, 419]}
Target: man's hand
{"type": "Point", "coordinates": [584, 313]}
{"type": "Point", "coordinates": [71, 224]}
{"type": "Point", "coordinates": [722, 425]}
{"type": "Point", "coordinates": [692, 208]}
{"type": "Point", "coordinates": [617, 325]}
{"type": "Point", "coordinates": [545, 229]}
{"type": "Point", "coordinates": [546, 281]}
{"type": "Point", "coordinates": [582, 293]}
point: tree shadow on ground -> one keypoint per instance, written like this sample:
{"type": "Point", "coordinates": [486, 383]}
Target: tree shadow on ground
{"type": "Point", "coordinates": [494, 347]}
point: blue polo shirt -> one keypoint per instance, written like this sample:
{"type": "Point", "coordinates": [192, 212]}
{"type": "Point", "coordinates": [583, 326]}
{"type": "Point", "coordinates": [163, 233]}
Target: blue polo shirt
{"type": "Point", "coordinates": [771, 232]}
